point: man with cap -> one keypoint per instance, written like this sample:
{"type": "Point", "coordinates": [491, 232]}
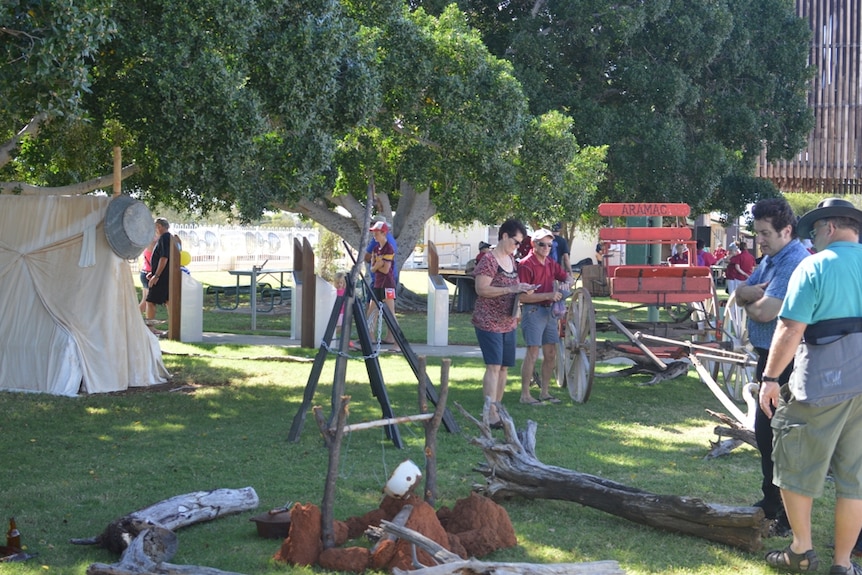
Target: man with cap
{"type": "Point", "coordinates": [484, 249]}
{"type": "Point", "coordinates": [383, 268]}
{"type": "Point", "coordinates": [817, 415]}
{"type": "Point", "coordinates": [560, 249]}
{"type": "Point", "coordinates": [762, 295]}
{"type": "Point", "coordinates": [373, 244]}
{"type": "Point", "coordinates": [538, 324]}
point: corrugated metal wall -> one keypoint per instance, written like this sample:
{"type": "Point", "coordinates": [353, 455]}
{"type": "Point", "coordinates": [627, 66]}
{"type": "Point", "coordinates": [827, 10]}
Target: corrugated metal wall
{"type": "Point", "coordinates": [832, 161]}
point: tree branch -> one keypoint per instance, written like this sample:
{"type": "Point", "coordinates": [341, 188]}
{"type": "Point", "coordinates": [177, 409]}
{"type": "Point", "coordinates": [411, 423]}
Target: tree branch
{"type": "Point", "coordinates": [79, 188]}
{"type": "Point", "coordinates": [32, 129]}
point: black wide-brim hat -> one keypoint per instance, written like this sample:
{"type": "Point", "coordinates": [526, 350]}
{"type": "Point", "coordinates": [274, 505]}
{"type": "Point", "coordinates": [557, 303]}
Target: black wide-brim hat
{"type": "Point", "coordinates": [828, 208]}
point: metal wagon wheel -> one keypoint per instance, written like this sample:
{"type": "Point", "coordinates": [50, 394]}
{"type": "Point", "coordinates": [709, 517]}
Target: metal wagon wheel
{"type": "Point", "coordinates": [735, 329]}
{"type": "Point", "coordinates": [577, 352]}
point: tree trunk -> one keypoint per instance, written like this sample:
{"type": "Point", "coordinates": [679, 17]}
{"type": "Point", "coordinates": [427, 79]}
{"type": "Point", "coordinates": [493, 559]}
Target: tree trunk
{"type": "Point", "coordinates": [513, 470]}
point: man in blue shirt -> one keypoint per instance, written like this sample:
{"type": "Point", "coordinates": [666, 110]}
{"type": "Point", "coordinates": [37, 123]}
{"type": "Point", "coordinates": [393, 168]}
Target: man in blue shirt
{"type": "Point", "coordinates": [762, 295]}
{"type": "Point", "coordinates": [560, 248]}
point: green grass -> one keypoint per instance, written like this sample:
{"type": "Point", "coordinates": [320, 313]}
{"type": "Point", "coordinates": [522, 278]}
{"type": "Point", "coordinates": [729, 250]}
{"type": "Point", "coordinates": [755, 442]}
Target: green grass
{"type": "Point", "coordinates": [69, 466]}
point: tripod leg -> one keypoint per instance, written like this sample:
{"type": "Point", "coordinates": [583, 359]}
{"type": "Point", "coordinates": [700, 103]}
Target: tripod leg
{"type": "Point", "coordinates": [375, 375]}
{"type": "Point", "coordinates": [314, 376]}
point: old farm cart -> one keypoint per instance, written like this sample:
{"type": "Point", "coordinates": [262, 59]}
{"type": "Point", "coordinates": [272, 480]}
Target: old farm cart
{"type": "Point", "coordinates": [686, 292]}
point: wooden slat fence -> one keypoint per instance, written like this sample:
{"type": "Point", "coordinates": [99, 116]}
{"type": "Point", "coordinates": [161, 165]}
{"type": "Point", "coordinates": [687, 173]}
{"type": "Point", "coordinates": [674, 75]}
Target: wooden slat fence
{"type": "Point", "coordinates": [832, 161]}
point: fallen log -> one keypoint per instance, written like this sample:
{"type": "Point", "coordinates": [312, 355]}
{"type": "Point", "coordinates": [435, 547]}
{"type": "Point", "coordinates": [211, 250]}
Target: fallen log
{"type": "Point", "coordinates": [512, 470]}
{"type": "Point", "coordinates": [146, 537]}
{"type": "Point", "coordinates": [452, 564]}
{"type": "Point", "coordinates": [173, 513]}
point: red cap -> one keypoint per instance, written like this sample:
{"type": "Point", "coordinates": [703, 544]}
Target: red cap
{"type": "Point", "coordinates": [380, 227]}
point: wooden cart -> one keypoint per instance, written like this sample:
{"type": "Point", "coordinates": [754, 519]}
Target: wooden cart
{"type": "Point", "coordinates": [686, 291]}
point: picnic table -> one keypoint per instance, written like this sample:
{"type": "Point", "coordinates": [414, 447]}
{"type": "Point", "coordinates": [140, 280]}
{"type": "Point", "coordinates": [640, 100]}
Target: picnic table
{"type": "Point", "coordinates": [228, 297]}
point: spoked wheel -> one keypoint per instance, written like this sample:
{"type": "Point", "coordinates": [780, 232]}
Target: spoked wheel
{"type": "Point", "coordinates": [578, 350]}
{"type": "Point", "coordinates": [735, 329]}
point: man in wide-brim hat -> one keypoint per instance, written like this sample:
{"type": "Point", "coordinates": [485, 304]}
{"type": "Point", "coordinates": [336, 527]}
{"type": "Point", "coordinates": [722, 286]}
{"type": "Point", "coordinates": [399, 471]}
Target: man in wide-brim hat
{"type": "Point", "coordinates": [829, 208]}
{"type": "Point", "coordinates": [817, 415]}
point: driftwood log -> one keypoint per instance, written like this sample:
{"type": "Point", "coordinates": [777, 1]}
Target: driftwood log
{"type": "Point", "coordinates": [452, 564]}
{"type": "Point", "coordinates": [512, 470]}
{"type": "Point", "coordinates": [146, 537]}
{"type": "Point", "coordinates": [173, 513]}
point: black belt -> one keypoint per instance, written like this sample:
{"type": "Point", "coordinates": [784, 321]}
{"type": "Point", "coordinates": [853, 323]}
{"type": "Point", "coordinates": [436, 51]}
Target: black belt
{"type": "Point", "coordinates": [831, 328]}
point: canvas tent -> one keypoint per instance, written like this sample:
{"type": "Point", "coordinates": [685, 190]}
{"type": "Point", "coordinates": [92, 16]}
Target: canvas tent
{"type": "Point", "coordinates": [70, 321]}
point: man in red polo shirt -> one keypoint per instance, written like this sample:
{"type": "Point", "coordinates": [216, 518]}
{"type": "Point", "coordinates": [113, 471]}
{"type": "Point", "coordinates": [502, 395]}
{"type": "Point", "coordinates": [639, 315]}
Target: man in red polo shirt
{"type": "Point", "coordinates": [538, 324]}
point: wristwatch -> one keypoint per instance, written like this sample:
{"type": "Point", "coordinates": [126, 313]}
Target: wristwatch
{"type": "Point", "coordinates": [765, 378]}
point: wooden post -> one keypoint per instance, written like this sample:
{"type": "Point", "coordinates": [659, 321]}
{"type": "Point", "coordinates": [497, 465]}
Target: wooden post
{"type": "Point", "coordinates": [433, 260]}
{"type": "Point", "coordinates": [118, 170]}
{"type": "Point", "coordinates": [309, 293]}
{"type": "Point", "coordinates": [432, 426]}
{"type": "Point", "coordinates": [328, 503]}
{"type": "Point", "coordinates": [175, 291]}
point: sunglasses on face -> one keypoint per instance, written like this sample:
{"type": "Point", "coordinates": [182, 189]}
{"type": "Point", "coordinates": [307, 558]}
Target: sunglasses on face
{"type": "Point", "coordinates": [517, 242]}
{"type": "Point", "coordinates": [813, 233]}
{"type": "Point", "coordinates": [543, 244]}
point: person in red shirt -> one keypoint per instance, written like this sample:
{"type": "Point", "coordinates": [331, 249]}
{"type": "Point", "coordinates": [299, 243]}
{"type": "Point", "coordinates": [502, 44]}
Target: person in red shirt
{"type": "Point", "coordinates": [680, 256]}
{"type": "Point", "coordinates": [538, 324]}
{"type": "Point", "coordinates": [739, 267]}
{"type": "Point", "coordinates": [704, 258]}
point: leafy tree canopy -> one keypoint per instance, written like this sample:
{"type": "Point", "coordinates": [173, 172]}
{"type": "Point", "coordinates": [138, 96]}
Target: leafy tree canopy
{"type": "Point", "coordinates": [684, 94]}
{"type": "Point", "coordinates": [266, 103]}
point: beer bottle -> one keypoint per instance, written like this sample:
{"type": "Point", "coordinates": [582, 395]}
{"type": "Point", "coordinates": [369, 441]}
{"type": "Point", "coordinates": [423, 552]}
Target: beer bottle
{"type": "Point", "coordinates": [13, 536]}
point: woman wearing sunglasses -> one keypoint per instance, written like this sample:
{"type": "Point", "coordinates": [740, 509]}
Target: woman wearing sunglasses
{"type": "Point", "coordinates": [495, 314]}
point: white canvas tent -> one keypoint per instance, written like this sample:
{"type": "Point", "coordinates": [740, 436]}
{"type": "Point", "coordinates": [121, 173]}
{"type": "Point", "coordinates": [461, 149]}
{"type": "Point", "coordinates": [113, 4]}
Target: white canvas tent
{"type": "Point", "coordinates": [69, 318]}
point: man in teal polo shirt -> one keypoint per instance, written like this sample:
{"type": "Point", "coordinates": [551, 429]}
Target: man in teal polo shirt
{"type": "Point", "coordinates": [818, 420]}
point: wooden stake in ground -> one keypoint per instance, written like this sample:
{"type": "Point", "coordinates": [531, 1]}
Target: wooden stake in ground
{"type": "Point", "coordinates": [512, 470]}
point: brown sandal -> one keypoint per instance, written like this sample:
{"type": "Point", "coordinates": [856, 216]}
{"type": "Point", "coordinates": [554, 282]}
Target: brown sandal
{"type": "Point", "coordinates": [787, 560]}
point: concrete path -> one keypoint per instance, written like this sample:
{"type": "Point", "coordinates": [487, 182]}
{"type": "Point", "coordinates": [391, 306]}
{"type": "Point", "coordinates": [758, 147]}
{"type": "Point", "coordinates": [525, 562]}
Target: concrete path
{"type": "Point", "coordinates": [419, 349]}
